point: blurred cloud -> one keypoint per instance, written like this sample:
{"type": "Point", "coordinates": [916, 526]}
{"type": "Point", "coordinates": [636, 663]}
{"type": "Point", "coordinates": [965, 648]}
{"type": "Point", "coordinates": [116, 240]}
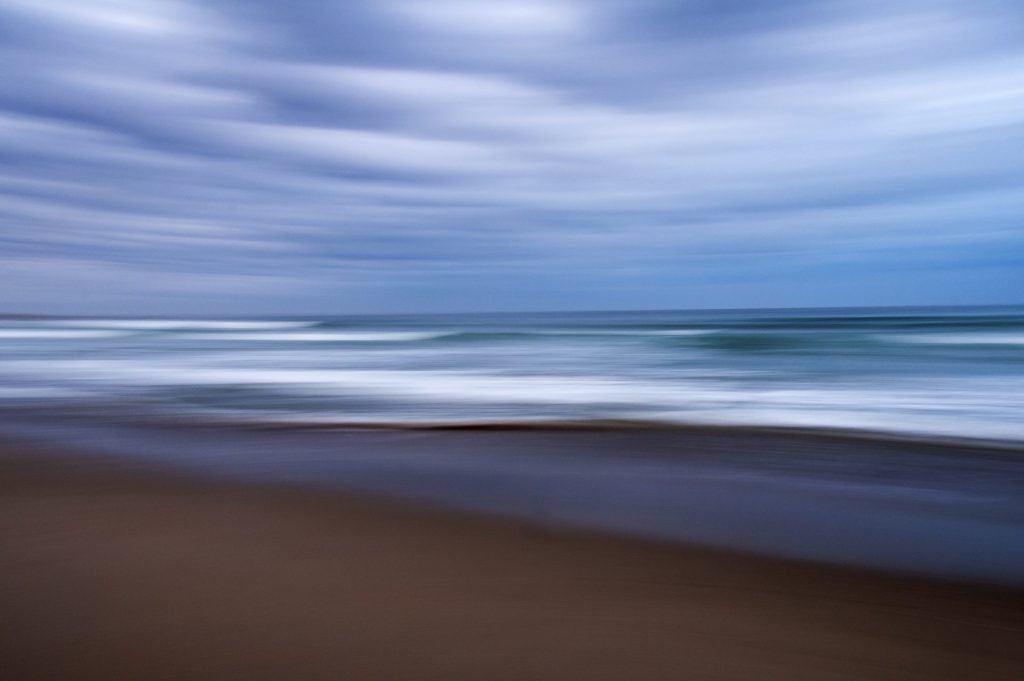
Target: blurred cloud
{"type": "Point", "coordinates": [399, 155]}
{"type": "Point", "coordinates": [497, 18]}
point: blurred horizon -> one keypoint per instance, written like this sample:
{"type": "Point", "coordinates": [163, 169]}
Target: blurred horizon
{"type": "Point", "coordinates": [322, 314]}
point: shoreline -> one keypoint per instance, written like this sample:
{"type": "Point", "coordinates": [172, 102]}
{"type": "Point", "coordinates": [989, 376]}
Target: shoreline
{"type": "Point", "coordinates": [612, 425]}
{"type": "Point", "coordinates": [953, 512]}
{"type": "Point", "coordinates": [117, 569]}
{"type": "Point", "coordinates": [143, 417]}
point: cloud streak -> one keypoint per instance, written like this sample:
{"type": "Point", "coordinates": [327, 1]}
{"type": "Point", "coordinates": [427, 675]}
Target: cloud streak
{"type": "Point", "coordinates": [375, 156]}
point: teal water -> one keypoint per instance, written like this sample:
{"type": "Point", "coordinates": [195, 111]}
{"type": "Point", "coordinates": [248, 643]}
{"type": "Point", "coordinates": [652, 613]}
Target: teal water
{"type": "Point", "coordinates": [939, 372]}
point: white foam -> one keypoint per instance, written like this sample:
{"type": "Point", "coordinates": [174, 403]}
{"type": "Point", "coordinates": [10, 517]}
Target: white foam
{"type": "Point", "coordinates": [955, 424]}
{"type": "Point", "coordinates": [23, 392]}
{"type": "Point", "coordinates": [59, 334]}
{"type": "Point", "coordinates": [175, 324]}
{"type": "Point", "coordinates": [961, 338]}
{"type": "Point", "coordinates": [626, 332]}
{"type": "Point", "coordinates": [324, 336]}
{"type": "Point", "coordinates": [452, 385]}
{"type": "Point", "coordinates": [969, 406]}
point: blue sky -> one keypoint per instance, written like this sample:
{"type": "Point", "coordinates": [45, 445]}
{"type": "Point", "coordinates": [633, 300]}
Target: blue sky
{"type": "Point", "coordinates": [248, 156]}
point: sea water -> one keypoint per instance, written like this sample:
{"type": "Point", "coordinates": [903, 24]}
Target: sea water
{"type": "Point", "coordinates": [933, 372]}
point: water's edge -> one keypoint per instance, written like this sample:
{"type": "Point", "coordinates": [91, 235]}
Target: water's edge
{"type": "Point", "coordinates": [946, 510]}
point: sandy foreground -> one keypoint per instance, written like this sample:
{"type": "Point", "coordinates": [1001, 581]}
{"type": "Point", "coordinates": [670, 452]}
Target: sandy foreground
{"type": "Point", "coordinates": [111, 571]}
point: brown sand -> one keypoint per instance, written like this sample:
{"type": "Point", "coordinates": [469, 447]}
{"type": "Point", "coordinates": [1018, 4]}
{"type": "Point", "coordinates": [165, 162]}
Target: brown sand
{"type": "Point", "coordinates": [116, 573]}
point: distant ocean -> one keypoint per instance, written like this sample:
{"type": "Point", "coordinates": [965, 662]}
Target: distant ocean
{"type": "Point", "coordinates": [930, 372]}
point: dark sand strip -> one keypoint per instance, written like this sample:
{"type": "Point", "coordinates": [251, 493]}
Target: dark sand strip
{"type": "Point", "coordinates": [109, 571]}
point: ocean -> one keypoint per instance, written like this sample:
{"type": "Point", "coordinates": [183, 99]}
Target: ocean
{"type": "Point", "coordinates": [888, 438]}
{"type": "Point", "coordinates": [925, 372]}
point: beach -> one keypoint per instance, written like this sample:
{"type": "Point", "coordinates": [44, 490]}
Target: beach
{"type": "Point", "coordinates": [120, 569]}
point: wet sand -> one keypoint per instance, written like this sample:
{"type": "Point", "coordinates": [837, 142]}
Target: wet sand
{"type": "Point", "coordinates": [114, 571]}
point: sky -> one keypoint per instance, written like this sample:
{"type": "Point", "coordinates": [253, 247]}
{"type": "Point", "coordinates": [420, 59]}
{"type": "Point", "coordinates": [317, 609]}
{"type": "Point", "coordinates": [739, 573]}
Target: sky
{"type": "Point", "coordinates": [360, 156]}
